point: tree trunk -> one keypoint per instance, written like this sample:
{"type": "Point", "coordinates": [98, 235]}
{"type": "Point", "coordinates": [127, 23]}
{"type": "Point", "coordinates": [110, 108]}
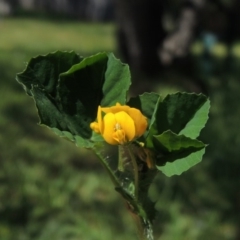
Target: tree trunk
{"type": "Point", "coordinates": [139, 32]}
{"type": "Point", "coordinates": [141, 36]}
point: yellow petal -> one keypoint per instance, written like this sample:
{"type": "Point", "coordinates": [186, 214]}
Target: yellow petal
{"type": "Point", "coordinates": [95, 127]}
{"type": "Point", "coordinates": [115, 109]}
{"type": "Point", "coordinates": [109, 123]}
{"type": "Point", "coordinates": [126, 123]}
{"type": "Point", "coordinates": [140, 121]}
{"type": "Point", "coordinates": [120, 124]}
{"type": "Point", "coordinates": [99, 119]}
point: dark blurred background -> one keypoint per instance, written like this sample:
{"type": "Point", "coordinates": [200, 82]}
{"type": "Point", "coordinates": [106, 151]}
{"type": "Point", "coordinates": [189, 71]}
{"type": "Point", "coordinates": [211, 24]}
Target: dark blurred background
{"type": "Point", "coordinates": [50, 189]}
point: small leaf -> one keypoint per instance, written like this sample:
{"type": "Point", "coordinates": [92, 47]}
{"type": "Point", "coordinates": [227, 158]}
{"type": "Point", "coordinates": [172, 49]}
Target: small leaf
{"type": "Point", "coordinates": [117, 82]}
{"type": "Point", "coordinates": [175, 147]}
{"type": "Point", "coordinates": [146, 103]}
{"type": "Point", "coordinates": [170, 142]}
{"type": "Point", "coordinates": [182, 113]}
{"type": "Point", "coordinates": [194, 126]}
{"type": "Point", "coordinates": [181, 165]}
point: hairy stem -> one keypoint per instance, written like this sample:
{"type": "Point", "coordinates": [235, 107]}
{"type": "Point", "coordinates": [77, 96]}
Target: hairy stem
{"type": "Point", "coordinates": [108, 169]}
{"type": "Point", "coordinates": [135, 170]}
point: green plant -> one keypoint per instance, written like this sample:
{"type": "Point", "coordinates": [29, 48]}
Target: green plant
{"type": "Point", "coordinates": [79, 98]}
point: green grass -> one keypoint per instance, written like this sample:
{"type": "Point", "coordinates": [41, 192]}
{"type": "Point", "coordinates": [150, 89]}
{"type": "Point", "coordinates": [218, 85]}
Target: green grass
{"type": "Point", "coordinates": [44, 36]}
{"type": "Point", "coordinates": [50, 189]}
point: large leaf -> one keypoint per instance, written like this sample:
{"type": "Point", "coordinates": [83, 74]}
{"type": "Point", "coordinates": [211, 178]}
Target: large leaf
{"type": "Point", "coordinates": [97, 80]}
{"type": "Point", "coordinates": [177, 110]}
{"type": "Point", "coordinates": [67, 90]}
{"type": "Point", "coordinates": [40, 80]}
{"type": "Point", "coordinates": [43, 71]}
{"type": "Point", "coordinates": [81, 86]}
{"type": "Point", "coordinates": [79, 93]}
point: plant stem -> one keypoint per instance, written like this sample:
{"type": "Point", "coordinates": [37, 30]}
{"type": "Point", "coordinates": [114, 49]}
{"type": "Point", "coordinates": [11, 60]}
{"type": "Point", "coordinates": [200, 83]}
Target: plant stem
{"type": "Point", "coordinates": [120, 159]}
{"type": "Point", "coordinates": [108, 169]}
{"type": "Point", "coordinates": [135, 171]}
{"type": "Point", "coordinates": [143, 224]}
{"type": "Point", "coordinates": [145, 231]}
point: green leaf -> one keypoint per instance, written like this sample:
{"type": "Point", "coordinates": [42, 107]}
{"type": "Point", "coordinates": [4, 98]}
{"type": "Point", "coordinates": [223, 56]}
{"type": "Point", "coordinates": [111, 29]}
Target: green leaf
{"type": "Point", "coordinates": [177, 110]}
{"type": "Point", "coordinates": [178, 153]}
{"type": "Point", "coordinates": [182, 113]}
{"type": "Point", "coordinates": [194, 126]}
{"type": "Point", "coordinates": [117, 82]}
{"type": "Point", "coordinates": [79, 93]}
{"type": "Point", "coordinates": [146, 103]}
{"type": "Point", "coordinates": [170, 142]}
{"type": "Point", "coordinates": [80, 88]}
{"type": "Point", "coordinates": [174, 147]}
{"type": "Point", "coordinates": [181, 165]}
{"type": "Point", "coordinates": [67, 90]}
{"type": "Point", "coordinates": [97, 80]}
{"type": "Point", "coordinates": [43, 71]}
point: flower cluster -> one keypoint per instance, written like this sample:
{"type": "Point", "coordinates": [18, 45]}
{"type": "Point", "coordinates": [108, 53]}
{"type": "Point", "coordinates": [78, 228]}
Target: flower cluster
{"type": "Point", "coordinates": [119, 124]}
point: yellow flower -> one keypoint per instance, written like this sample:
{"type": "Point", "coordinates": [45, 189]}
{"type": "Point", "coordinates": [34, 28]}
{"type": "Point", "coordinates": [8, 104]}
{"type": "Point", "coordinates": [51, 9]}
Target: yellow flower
{"type": "Point", "coordinates": [120, 124]}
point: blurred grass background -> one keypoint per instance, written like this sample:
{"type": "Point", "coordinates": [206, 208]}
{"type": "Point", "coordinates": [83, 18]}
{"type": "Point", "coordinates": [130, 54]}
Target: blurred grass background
{"type": "Point", "coordinates": [50, 189]}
